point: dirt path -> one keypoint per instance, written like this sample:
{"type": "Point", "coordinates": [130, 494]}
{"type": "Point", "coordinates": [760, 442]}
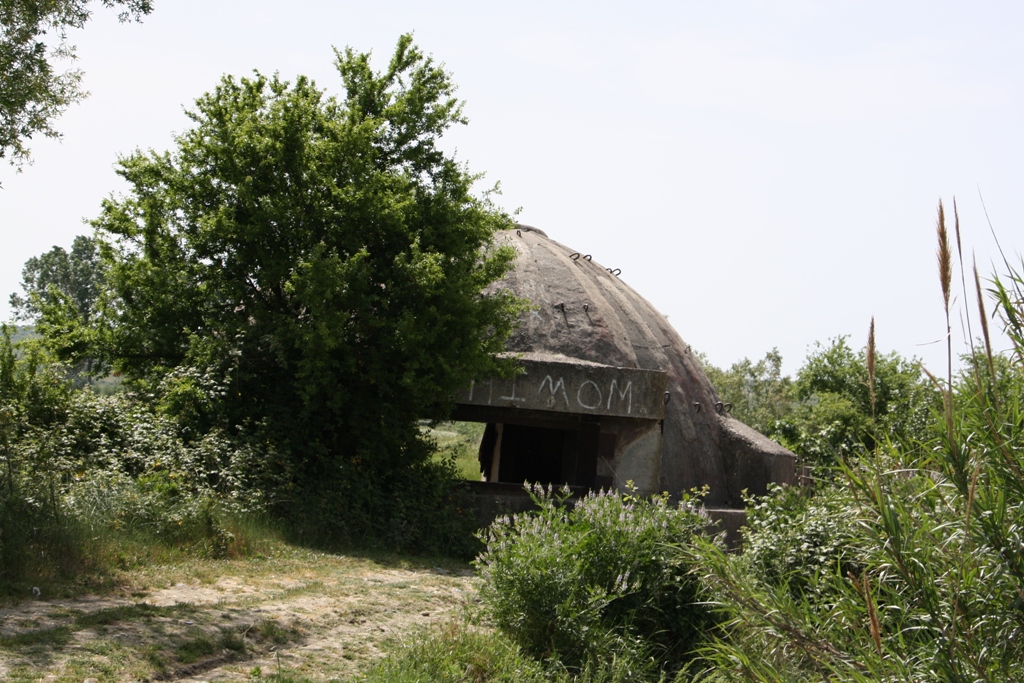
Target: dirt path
{"type": "Point", "coordinates": [322, 617]}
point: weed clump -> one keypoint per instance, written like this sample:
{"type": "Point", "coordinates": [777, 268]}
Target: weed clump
{"type": "Point", "coordinates": [455, 653]}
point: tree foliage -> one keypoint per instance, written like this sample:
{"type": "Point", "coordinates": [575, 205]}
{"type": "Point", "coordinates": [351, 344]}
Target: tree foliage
{"type": "Point", "coordinates": [837, 413]}
{"type": "Point", "coordinates": [74, 276]}
{"type": "Point", "coordinates": [828, 410]}
{"type": "Point", "coordinates": [304, 270]}
{"type": "Point", "coordinates": [33, 36]}
{"type": "Point", "coordinates": [759, 393]}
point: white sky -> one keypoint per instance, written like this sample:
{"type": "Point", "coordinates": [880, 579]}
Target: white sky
{"type": "Point", "coordinates": [765, 173]}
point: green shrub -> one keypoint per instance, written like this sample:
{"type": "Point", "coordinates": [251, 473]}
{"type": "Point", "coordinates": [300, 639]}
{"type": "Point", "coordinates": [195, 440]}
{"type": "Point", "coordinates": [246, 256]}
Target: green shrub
{"type": "Point", "coordinates": [598, 582]}
{"type": "Point", "coordinates": [78, 469]}
{"type": "Point", "coordinates": [37, 538]}
{"type": "Point", "coordinates": [136, 468]}
{"type": "Point", "coordinates": [419, 508]}
{"type": "Point", "coordinates": [794, 534]}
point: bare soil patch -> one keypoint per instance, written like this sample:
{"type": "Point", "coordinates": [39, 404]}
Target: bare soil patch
{"type": "Point", "coordinates": [315, 615]}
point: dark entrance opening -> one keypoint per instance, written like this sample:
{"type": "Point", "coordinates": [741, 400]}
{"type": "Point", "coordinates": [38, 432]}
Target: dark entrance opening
{"type": "Point", "coordinates": [516, 453]}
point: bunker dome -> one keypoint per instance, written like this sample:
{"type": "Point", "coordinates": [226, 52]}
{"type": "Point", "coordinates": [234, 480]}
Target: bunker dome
{"type": "Point", "coordinates": [609, 392]}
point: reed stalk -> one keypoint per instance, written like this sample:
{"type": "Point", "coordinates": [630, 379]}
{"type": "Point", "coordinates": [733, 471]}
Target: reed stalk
{"type": "Point", "coordinates": [871, 379]}
{"type": "Point", "coordinates": [945, 263]}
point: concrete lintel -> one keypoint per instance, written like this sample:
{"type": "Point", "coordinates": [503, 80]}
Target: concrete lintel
{"type": "Point", "coordinates": [576, 388]}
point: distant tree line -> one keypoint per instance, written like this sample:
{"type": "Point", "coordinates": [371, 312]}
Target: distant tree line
{"type": "Point", "coordinates": [829, 409]}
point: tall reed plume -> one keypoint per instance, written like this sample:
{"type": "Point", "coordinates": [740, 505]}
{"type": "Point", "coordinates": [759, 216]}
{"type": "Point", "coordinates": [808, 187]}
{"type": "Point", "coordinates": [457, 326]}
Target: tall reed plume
{"type": "Point", "coordinates": [945, 262]}
{"type": "Point", "coordinates": [871, 377]}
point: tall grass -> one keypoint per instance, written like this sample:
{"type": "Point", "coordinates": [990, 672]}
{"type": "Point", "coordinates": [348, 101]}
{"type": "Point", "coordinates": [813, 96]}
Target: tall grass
{"type": "Point", "coordinates": [455, 653]}
{"type": "Point", "coordinates": [929, 583]}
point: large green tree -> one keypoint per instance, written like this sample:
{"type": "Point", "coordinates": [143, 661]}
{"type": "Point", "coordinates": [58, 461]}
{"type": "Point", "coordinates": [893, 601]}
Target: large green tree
{"type": "Point", "coordinates": [305, 268]}
{"type": "Point", "coordinates": [33, 38]}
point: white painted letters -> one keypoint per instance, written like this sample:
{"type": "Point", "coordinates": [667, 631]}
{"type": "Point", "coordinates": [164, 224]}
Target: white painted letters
{"type": "Point", "coordinates": [579, 395]}
{"type": "Point", "coordinates": [512, 396]}
{"type": "Point", "coordinates": [554, 387]}
{"type": "Point", "coordinates": [626, 393]}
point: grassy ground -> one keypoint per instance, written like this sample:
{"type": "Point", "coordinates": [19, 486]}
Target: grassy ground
{"type": "Point", "coordinates": [137, 610]}
{"type": "Point", "coordinates": [287, 614]}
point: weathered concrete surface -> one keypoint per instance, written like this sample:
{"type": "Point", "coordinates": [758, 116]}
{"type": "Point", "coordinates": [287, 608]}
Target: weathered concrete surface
{"type": "Point", "coordinates": [637, 457]}
{"type": "Point", "coordinates": [731, 522]}
{"type": "Point", "coordinates": [565, 385]}
{"type": "Point", "coordinates": [752, 460]}
{"type": "Point", "coordinates": [585, 313]}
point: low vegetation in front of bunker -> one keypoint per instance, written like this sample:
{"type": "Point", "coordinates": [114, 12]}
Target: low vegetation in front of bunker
{"type": "Point", "coordinates": [599, 584]}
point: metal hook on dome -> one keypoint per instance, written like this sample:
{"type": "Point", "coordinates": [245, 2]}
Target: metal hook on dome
{"type": "Point", "coordinates": [719, 407]}
{"type": "Point", "coordinates": [668, 396]}
{"type": "Point", "coordinates": [561, 306]}
{"type": "Point", "coordinates": [586, 308]}
{"type": "Point", "coordinates": [519, 233]}
{"type": "Point", "coordinates": [728, 408]}
{"type": "Point", "coordinates": [575, 256]}
{"type": "Point", "coordinates": [616, 272]}
{"type": "Point", "coordinates": [696, 404]}
{"type": "Point", "coordinates": [588, 257]}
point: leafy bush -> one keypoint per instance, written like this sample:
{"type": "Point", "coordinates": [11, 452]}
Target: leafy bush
{"type": "Point", "coordinates": [793, 535]}
{"type": "Point", "coordinates": [829, 412]}
{"type": "Point", "coordinates": [149, 468]}
{"type": "Point", "coordinates": [76, 467]}
{"type": "Point", "coordinates": [36, 537]}
{"type": "Point", "coordinates": [597, 582]}
{"type": "Point", "coordinates": [416, 509]}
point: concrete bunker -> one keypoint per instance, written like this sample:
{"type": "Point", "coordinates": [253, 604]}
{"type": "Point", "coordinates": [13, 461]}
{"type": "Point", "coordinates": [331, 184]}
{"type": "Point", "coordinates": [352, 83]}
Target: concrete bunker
{"type": "Point", "coordinates": [609, 394]}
